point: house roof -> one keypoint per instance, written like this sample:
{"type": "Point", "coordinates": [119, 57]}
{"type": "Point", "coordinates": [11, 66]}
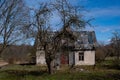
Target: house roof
{"type": "Point", "coordinates": [77, 40]}
{"type": "Point", "coordinates": [85, 40]}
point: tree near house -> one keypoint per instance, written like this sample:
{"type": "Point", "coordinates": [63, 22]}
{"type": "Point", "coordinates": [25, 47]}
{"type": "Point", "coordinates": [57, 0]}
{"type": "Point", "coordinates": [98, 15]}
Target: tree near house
{"type": "Point", "coordinates": [14, 18]}
{"type": "Point", "coordinates": [43, 38]}
{"type": "Point", "coordinates": [48, 40]}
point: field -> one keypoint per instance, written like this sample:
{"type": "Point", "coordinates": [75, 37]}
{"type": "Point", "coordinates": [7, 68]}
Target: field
{"type": "Point", "coordinates": [32, 72]}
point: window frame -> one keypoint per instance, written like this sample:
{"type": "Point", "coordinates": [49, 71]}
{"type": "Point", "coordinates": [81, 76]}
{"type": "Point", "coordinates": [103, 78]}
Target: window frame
{"type": "Point", "coordinates": [81, 56]}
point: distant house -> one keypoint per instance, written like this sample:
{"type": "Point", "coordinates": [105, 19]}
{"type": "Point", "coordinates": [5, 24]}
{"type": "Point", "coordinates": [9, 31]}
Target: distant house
{"type": "Point", "coordinates": [82, 53]}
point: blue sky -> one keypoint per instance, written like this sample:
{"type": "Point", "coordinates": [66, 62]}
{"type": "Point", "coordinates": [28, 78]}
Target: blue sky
{"type": "Point", "coordinates": [106, 14]}
{"type": "Point", "coordinates": [107, 17]}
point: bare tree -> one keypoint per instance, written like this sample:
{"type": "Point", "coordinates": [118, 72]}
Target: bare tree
{"type": "Point", "coordinates": [43, 38]}
{"type": "Point", "coordinates": [103, 51]}
{"type": "Point", "coordinates": [115, 41]}
{"type": "Point", "coordinates": [48, 40]}
{"type": "Point", "coordinates": [2, 2]}
{"type": "Point", "coordinates": [70, 15]}
{"type": "Point", "coordinates": [13, 17]}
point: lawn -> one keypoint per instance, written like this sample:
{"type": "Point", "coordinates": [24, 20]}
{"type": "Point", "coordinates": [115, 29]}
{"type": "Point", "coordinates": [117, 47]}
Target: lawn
{"type": "Point", "coordinates": [18, 72]}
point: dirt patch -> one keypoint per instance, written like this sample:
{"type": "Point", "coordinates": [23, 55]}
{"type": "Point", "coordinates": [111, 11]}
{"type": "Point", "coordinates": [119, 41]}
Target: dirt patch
{"type": "Point", "coordinates": [3, 63]}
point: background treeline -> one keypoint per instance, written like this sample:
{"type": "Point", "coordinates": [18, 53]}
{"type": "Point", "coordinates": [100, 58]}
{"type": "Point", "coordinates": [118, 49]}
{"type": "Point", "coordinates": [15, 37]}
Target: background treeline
{"type": "Point", "coordinates": [19, 54]}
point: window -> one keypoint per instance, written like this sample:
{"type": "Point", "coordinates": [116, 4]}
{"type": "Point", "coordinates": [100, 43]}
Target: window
{"type": "Point", "coordinates": [81, 56]}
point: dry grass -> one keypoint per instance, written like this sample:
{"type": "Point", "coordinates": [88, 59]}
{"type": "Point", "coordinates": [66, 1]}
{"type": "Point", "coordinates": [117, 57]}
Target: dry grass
{"type": "Point", "coordinates": [18, 72]}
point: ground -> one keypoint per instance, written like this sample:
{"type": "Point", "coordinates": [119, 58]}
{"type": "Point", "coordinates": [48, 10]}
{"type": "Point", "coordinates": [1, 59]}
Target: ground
{"type": "Point", "coordinates": [30, 72]}
{"type": "Point", "coordinates": [2, 62]}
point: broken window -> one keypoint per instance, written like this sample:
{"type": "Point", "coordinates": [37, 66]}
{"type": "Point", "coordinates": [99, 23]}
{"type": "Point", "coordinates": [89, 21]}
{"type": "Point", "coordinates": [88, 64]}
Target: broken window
{"type": "Point", "coordinates": [81, 56]}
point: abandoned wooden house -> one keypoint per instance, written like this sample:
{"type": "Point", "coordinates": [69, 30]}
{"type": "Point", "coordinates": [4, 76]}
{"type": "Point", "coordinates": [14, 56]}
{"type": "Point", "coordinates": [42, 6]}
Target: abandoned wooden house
{"type": "Point", "coordinates": [83, 52]}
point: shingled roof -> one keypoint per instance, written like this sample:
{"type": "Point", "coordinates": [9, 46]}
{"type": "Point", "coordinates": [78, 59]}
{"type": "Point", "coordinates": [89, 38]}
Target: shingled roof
{"type": "Point", "coordinates": [77, 40]}
{"type": "Point", "coordinates": [85, 40]}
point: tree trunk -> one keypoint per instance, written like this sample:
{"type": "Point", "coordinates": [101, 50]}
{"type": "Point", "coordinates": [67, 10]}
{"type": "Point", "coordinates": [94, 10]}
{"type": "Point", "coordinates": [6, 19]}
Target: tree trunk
{"type": "Point", "coordinates": [51, 66]}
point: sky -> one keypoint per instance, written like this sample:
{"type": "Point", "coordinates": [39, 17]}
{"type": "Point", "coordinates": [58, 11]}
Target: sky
{"type": "Point", "coordinates": [106, 14]}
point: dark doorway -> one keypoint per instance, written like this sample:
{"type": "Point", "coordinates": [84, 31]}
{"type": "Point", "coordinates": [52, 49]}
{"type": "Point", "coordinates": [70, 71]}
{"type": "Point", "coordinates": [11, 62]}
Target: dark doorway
{"type": "Point", "coordinates": [64, 59]}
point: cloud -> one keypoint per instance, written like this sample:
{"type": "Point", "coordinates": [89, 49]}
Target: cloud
{"type": "Point", "coordinates": [107, 29]}
{"type": "Point", "coordinates": [102, 12]}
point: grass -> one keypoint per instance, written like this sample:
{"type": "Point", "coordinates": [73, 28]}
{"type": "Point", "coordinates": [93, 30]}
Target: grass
{"type": "Point", "coordinates": [18, 72]}
{"type": "Point", "coordinates": [109, 75]}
